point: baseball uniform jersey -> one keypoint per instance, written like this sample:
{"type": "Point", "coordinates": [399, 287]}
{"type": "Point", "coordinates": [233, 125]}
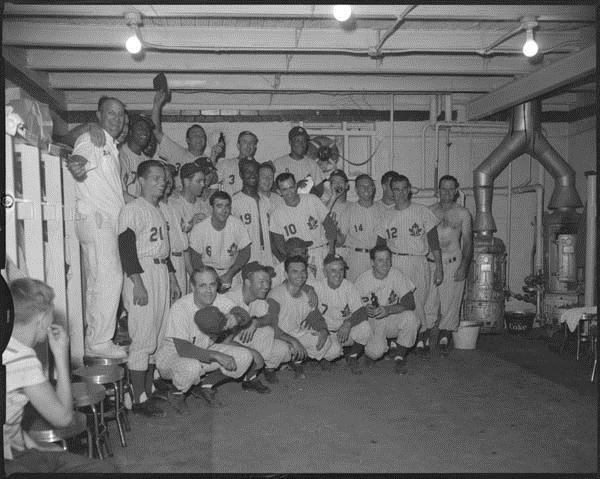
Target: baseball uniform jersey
{"type": "Point", "coordinates": [384, 205]}
{"type": "Point", "coordinates": [253, 214]}
{"type": "Point", "coordinates": [299, 168]}
{"type": "Point", "coordinates": [229, 175]}
{"type": "Point", "coordinates": [129, 165]}
{"type": "Point", "coordinates": [186, 210]}
{"type": "Point", "coordinates": [145, 323]}
{"type": "Point", "coordinates": [178, 240]}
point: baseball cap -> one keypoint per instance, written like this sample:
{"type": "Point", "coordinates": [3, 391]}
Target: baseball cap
{"type": "Point", "coordinates": [295, 242]}
{"type": "Point", "coordinates": [210, 321]}
{"type": "Point", "coordinates": [296, 131]}
{"type": "Point", "coordinates": [136, 117]}
{"type": "Point", "coordinates": [189, 169]}
{"type": "Point", "coordinates": [254, 266]}
{"type": "Point", "coordinates": [330, 258]}
{"type": "Point", "coordinates": [205, 165]}
{"type": "Point", "coordinates": [339, 173]}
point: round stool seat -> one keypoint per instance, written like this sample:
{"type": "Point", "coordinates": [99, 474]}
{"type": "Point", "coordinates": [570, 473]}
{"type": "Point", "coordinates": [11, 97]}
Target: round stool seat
{"type": "Point", "coordinates": [98, 361]}
{"type": "Point", "coordinates": [87, 394]}
{"type": "Point", "coordinates": [100, 374]}
{"type": "Point", "coordinates": [41, 430]}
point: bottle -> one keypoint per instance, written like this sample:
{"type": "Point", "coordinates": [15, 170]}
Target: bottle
{"type": "Point", "coordinates": [374, 300]}
{"type": "Point", "coordinates": [221, 142]}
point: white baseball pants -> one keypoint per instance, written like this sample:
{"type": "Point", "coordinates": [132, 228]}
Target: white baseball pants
{"type": "Point", "coordinates": [309, 338]}
{"type": "Point", "coordinates": [274, 351]}
{"type": "Point", "coordinates": [361, 334]}
{"type": "Point", "coordinates": [358, 262]}
{"type": "Point", "coordinates": [446, 297]}
{"type": "Point", "coordinates": [417, 270]}
{"type": "Point", "coordinates": [403, 328]}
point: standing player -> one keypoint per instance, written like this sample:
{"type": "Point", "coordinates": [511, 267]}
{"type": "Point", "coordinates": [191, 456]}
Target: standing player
{"type": "Point", "coordinates": [388, 297]}
{"type": "Point", "coordinates": [304, 216]}
{"type": "Point", "coordinates": [150, 282]}
{"type": "Point", "coordinates": [346, 317]}
{"type": "Point", "coordinates": [454, 228]}
{"type": "Point", "coordinates": [262, 335]}
{"type": "Point", "coordinates": [252, 210]}
{"type": "Point", "coordinates": [131, 153]}
{"type": "Point", "coordinates": [410, 233]}
{"type": "Point", "coordinates": [357, 225]}
{"type": "Point", "coordinates": [228, 169]}
{"type": "Point", "coordinates": [266, 178]}
{"type": "Point", "coordinates": [221, 242]}
{"type": "Point", "coordinates": [387, 198]}
{"type": "Point", "coordinates": [297, 318]}
{"type": "Point", "coordinates": [297, 163]}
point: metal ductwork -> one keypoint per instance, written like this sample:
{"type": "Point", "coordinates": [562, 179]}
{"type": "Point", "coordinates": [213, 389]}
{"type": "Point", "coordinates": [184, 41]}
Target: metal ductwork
{"type": "Point", "coordinates": [524, 136]}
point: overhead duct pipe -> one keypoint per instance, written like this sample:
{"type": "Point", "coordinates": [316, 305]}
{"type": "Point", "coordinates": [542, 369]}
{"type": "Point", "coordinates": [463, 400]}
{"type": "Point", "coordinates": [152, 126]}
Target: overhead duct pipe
{"type": "Point", "coordinates": [524, 136]}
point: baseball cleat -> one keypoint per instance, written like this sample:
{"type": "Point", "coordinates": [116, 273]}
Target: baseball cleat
{"type": "Point", "coordinates": [180, 404]}
{"type": "Point", "coordinates": [255, 385]}
{"type": "Point", "coordinates": [443, 349]}
{"type": "Point", "coordinates": [148, 409]}
{"type": "Point", "coordinates": [422, 353]}
{"type": "Point", "coordinates": [400, 366]}
{"type": "Point", "coordinates": [354, 366]}
{"type": "Point", "coordinates": [325, 365]}
{"type": "Point", "coordinates": [298, 371]}
{"type": "Point", "coordinates": [207, 394]}
{"type": "Point", "coordinates": [369, 363]}
{"type": "Point", "coordinates": [270, 376]}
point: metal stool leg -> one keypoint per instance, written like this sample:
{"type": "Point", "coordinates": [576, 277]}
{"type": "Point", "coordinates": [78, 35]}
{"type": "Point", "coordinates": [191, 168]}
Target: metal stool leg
{"type": "Point", "coordinates": [118, 412]}
{"type": "Point", "coordinates": [565, 337]}
{"type": "Point", "coordinates": [595, 359]}
{"type": "Point", "coordinates": [106, 443]}
{"type": "Point", "coordinates": [578, 339]}
{"type": "Point", "coordinates": [97, 437]}
{"type": "Point", "coordinates": [90, 446]}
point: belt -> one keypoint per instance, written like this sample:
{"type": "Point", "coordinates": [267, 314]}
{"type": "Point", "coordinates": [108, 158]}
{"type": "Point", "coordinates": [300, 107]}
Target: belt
{"type": "Point", "coordinates": [177, 254]}
{"type": "Point", "coordinates": [406, 254]}
{"type": "Point", "coordinates": [319, 246]}
{"type": "Point", "coordinates": [362, 250]}
{"type": "Point", "coordinates": [444, 260]}
{"type": "Point", "coordinates": [159, 261]}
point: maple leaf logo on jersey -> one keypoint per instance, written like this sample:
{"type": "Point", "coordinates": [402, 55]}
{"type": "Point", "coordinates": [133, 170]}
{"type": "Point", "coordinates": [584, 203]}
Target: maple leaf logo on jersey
{"type": "Point", "coordinates": [232, 250]}
{"type": "Point", "coordinates": [393, 299]}
{"type": "Point", "coordinates": [312, 223]}
{"type": "Point", "coordinates": [415, 230]}
{"type": "Point", "coordinates": [346, 311]}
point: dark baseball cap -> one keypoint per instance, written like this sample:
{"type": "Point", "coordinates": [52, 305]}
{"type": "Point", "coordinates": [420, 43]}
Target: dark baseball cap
{"type": "Point", "coordinates": [295, 242]}
{"type": "Point", "coordinates": [339, 173]}
{"type": "Point", "coordinates": [205, 165]}
{"type": "Point", "coordinates": [297, 131]}
{"type": "Point", "coordinates": [189, 169]}
{"type": "Point", "coordinates": [330, 258]}
{"type": "Point", "coordinates": [254, 266]}
{"type": "Point", "coordinates": [210, 321]}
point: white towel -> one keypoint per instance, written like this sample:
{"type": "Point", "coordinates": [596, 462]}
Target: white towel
{"type": "Point", "coordinates": [572, 316]}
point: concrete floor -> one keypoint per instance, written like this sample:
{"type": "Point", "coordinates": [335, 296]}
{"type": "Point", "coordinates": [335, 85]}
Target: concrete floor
{"type": "Point", "coordinates": [476, 411]}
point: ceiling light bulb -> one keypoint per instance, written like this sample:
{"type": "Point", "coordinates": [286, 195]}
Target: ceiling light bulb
{"type": "Point", "coordinates": [133, 45]}
{"type": "Point", "coordinates": [530, 47]}
{"type": "Point", "coordinates": [342, 12]}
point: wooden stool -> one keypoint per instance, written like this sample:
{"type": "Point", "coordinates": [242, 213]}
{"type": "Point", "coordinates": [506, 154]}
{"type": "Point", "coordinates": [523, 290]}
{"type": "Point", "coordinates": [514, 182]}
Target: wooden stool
{"type": "Point", "coordinates": [41, 430]}
{"type": "Point", "coordinates": [89, 396]}
{"type": "Point", "coordinates": [111, 377]}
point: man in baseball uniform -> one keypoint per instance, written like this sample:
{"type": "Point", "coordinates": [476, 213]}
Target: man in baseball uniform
{"type": "Point", "coordinates": [228, 169]}
{"type": "Point", "coordinates": [297, 319]}
{"type": "Point", "coordinates": [297, 163]}
{"type": "Point", "coordinates": [357, 225]}
{"type": "Point", "coordinates": [99, 199]}
{"type": "Point", "coordinates": [221, 242]}
{"type": "Point", "coordinates": [387, 198]}
{"type": "Point", "coordinates": [388, 297]}
{"type": "Point", "coordinates": [261, 335]}
{"type": "Point", "coordinates": [131, 153]}
{"type": "Point", "coordinates": [191, 352]}
{"type": "Point", "coordinates": [345, 315]}
{"type": "Point", "coordinates": [409, 230]}
{"type": "Point", "coordinates": [304, 216]}
{"type": "Point", "coordinates": [252, 210]}
{"type": "Point", "coordinates": [456, 243]}
{"type": "Point", "coordinates": [266, 179]}
{"type": "Point", "coordinates": [150, 281]}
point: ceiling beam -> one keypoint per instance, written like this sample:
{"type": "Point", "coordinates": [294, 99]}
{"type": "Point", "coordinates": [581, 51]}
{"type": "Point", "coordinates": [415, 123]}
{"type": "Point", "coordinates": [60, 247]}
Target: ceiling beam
{"type": "Point", "coordinates": [568, 70]}
{"type": "Point", "coordinates": [275, 82]}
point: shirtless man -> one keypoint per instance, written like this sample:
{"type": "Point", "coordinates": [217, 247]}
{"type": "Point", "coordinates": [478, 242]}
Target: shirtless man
{"type": "Point", "coordinates": [456, 244]}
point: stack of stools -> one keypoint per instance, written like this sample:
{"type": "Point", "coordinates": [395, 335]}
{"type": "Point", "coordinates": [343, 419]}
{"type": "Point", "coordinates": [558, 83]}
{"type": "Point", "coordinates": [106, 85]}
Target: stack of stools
{"type": "Point", "coordinates": [89, 398]}
{"type": "Point", "coordinates": [42, 431]}
{"type": "Point", "coordinates": [111, 377]}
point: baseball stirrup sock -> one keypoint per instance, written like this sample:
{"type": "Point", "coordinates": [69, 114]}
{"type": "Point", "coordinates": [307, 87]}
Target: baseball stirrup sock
{"type": "Point", "coordinates": [353, 351]}
{"type": "Point", "coordinates": [214, 378]}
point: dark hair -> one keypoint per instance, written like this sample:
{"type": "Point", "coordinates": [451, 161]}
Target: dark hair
{"type": "Point", "coordinates": [195, 125]}
{"type": "Point", "coordinates": [30, 297]}
{"type": "Point", "coordinates": [377, 249]}
{"type": "Point", "coordinates": [363, 176]}
{"type": "Point", "coordinates": [448, 178]}
{"type": "Point", "coordinates": [247, 133]}
{"type": "Point", "coordinates": [388, 176]}
{"type": "Point", "coordinates": [294, 259]}
{"type": "Point", "coordinates": [400, 178]}
{"type": "Point", "coordinates": [267, 164]}
{"type": "Point", "coordinates": [281, 177]}
{"type": "Point", "coordinates": [244, 164]}
{"type": "Point", "coordinates": [103, 99]}
{"type": "Point", "coordinates": [219, 195]}
{"type": "Point", "coordinates": [144, 167]}
{"type": "Point", "coordinates": [203, 269]}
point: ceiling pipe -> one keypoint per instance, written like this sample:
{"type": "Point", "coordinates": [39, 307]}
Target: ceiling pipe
{"type": "Point", "coordinates": [390, 31]}
{"type": "Point", "coordinates": [524, 136]}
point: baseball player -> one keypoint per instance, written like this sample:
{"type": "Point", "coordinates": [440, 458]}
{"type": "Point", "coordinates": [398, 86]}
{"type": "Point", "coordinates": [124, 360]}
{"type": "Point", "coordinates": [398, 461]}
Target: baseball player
{"type": "Point", "coordinates": [345, 315]}
{"type": "Point", "coordinates": [297, 163]}
{"type": "Point", "coordinates": [388, 297]}
{"type": "Point", "coordinates": [336, 205]}
{"type": "Point", "coordinates": [295, 246]}
{"type": "Point", "coordinates": [304, 216]}
{"type": "Point", "coordinates": [409, 230]}
{"type": "Point", "coordinates": [297, 319]}
{"type": "Point", "coordinates": [266, 175]}
{"type": "Point", "coordinates": [252, 210]}
{"type": "Point", "coordinates": [454, 228]}
{"type": "Point", "coordinates": [228, 169]}
{"type": "Point", "coordinates": [150, 281]}
{"type": "Point", "coordinates": [192, 351]}
{"type": "Point", "coordinates": [357, 225]}
{"type": "Point", "coordinates": [221, 241]}
{"type": "Point", "coordinates": [131, 153]}
{"type": "Point", "coordinates": [99, 199]}
{"type": "Point", "coordinates": [262, 336]}
{"type": "Point", "coordinates": [387, 198]}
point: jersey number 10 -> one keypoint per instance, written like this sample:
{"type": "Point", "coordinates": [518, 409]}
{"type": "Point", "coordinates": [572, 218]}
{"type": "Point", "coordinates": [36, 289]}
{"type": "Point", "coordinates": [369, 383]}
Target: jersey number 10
{"type": "Point", "coordinates": [290, 229]}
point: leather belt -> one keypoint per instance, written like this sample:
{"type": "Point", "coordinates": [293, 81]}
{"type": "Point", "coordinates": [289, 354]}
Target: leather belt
{"type": "Point", "coordinates": [362, 250]}
{"type": "Point", "coordinates": [444, 260]}
{"type": "Point", "coordinates": [159, 261]}
{"type": "Point", "coordinates": [177, 254]}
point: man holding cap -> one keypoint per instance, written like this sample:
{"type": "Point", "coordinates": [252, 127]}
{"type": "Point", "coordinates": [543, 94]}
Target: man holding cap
{"type": "Point", "coordinates": [131, 153]}
{"type": "Point", "coordinates": [262, 335]}
{"type": "Point", "coordinates": [228, 169]}
{"type": "Point", "coordinates": [297, 163]}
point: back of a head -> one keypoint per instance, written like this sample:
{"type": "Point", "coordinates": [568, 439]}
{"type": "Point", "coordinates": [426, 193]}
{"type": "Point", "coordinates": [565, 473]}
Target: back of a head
{"type": "Point", "coordinates": [30, 298]}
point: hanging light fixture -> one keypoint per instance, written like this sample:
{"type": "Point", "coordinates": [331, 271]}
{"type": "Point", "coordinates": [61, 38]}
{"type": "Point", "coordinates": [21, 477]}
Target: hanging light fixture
{"type": "Point", "coordinates": [342, 12]}
{"type": "Point", "coordinates": [530, 47]}
{"type": "Point", "coordinates": [134, 42]}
